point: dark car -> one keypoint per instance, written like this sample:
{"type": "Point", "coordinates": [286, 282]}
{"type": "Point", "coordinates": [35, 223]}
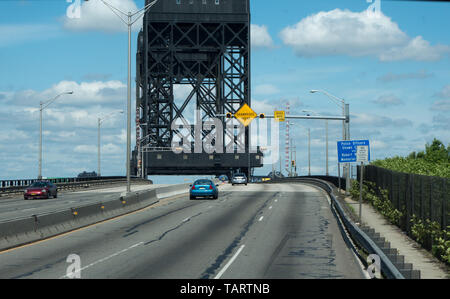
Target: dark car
{"type": "Point", "coordinates": [204, 188]}
{"type": "Point", "coordinates": [41, 189]}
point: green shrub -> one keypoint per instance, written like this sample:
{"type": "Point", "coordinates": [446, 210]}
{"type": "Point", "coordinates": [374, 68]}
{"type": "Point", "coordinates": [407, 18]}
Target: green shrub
{"type": "Point", "coordinates": [381, 204]}
{"type": "Point", "coordinates": [430, 235]}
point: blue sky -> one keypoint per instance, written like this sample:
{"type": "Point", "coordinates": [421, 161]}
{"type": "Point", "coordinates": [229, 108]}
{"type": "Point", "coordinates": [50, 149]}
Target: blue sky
{"type": "Point", "coordinates": [393, 69]}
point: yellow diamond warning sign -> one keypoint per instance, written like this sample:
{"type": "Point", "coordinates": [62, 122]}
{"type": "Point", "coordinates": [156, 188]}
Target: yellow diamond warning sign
{"type": "Point", "coordinates": [245, 115]}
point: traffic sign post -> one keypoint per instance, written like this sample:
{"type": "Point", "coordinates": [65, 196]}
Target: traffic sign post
{"type": "Point", "coordinates": [362, 156]}
{"type": "Point", "coordinates": [246, 115]}
{"type": "Point", "coordinates": [355, 151]}
{"type": "Point", "coordinates": [361, 190]}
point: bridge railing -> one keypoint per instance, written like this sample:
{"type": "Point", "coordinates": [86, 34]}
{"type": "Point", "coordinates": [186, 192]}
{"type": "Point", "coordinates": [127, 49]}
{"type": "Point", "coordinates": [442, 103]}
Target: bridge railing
{"type": "Point", "coordinates": [14, 186]}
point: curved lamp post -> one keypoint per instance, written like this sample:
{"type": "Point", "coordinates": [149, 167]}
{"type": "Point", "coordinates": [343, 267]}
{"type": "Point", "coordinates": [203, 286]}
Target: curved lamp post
{"type": "Point", "coordinates": [345, 127]}
{"type": "Point", "coordinates": [42, 106]}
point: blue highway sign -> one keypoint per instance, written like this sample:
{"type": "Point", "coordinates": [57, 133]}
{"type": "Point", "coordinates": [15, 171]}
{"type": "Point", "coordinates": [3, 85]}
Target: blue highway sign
{"type": "Point", "coordinates": [347, 150]}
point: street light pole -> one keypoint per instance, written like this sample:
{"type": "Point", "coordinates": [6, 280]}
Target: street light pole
{"type": "Point", "coordinates": [98, 148]}
{"type": "Point", "coordinates": [345, 129]}
{"type": "Point", "coordinates": [129, 22]}
{"type": "Point", "coordinates": [40, 142]}
{"type": "Point", "coordinates": [100, 120]}
{"type": "Point", "coordinates": [326, 140]}
{"type": "Point", "coordinates": [42, 106]}
{"type": "Point", "coordinates": [326, 150]}
{"type": "Point", "coordinates": [128, 165]}
{"type": "Point", "coordinates": [309, 152]}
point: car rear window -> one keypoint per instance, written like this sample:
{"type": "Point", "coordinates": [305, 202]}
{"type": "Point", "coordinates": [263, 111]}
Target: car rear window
{"type": "Point", "coordinates": [202, 182]}
{"type": "Point", "coordinates": [39, 184]}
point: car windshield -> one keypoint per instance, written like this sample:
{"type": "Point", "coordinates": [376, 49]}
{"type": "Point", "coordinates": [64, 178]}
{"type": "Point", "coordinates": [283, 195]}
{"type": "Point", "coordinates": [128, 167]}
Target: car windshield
{"type": "Point", "coordinates": [203, 182]}
{"type": "Point", "coordinates": [39, 184]}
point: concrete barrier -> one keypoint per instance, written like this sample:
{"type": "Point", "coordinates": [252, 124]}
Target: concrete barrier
{"type": "Point", "coordinates": [172, 190]}
{"type": "Point", "coordinates": [17, 232]}
{"type": "Point", "coordinates": [53, 223]}
{"type": "Point", "coordinates": [88, 214]}
{"type": "Point", "coordinates": [13, 232]}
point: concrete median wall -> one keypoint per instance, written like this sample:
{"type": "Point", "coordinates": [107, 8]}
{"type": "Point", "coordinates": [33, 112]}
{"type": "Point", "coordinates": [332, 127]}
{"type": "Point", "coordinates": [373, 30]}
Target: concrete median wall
{"type": "Point", "coordinates": [172, 190]}
{"type": "Point", "coordinates": [16, 232]}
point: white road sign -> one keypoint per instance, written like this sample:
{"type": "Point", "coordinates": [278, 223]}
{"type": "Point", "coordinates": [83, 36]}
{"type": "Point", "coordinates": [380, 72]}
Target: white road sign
{"type": "Point", "coordinates": [362, 153]}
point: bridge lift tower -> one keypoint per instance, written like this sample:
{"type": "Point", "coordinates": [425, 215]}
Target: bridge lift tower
{"type": "Point", "coordinates": [203, 48]}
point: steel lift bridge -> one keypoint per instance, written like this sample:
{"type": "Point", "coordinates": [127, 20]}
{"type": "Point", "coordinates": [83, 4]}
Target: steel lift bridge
{"type": "Point", "coordinates": [201, 47]}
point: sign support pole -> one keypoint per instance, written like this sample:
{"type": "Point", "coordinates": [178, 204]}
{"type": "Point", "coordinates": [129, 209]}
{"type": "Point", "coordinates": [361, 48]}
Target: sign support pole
{"type": "Point", "coordinates": [339, 177]}
{"type": "Point", "coordinates": [361, 190]}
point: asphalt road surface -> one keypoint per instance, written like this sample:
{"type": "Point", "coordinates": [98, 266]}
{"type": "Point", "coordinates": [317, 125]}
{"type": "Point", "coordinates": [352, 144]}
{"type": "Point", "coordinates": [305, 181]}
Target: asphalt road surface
{"type": "Point", "coordinates": [16, 206]}
{"type": "Point", "coordinates": [250, 232]}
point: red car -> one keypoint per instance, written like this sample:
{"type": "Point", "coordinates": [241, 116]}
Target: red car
{"type": "Point", "coordinates": [41, 190]}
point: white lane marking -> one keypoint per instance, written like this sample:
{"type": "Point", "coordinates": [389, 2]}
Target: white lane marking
{"type": "Point", "coordinates": [276, 200]}
{"type": "Point", "coordinates": [270, 207]}
{"type": "Point", "coordinates": [28, 209]}
{"type": "Point", "coordinates": [229, 263]}
{"type": "Point", "coordinates": [187, 219]}
{"type": "Point", "coordinates": [106, 258]}
{"type": "Point", "coordinates": [261, 218]}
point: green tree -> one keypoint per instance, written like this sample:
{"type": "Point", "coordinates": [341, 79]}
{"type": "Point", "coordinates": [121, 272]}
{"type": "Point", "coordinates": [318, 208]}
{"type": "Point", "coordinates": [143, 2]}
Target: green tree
{"type": "Point", "coordinates": [436, 152]}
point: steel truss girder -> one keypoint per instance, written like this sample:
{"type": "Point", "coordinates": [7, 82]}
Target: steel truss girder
{"type": "Point", "coordinates": [220, 83]}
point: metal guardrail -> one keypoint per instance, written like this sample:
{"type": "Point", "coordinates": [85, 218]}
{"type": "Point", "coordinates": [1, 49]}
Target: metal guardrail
{"type": "Point", "coordinates": [356, 234]}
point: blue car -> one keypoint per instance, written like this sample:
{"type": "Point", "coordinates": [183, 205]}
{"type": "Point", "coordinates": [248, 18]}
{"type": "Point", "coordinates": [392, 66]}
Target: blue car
{"type": "Point", "coordinates": [204, 188]}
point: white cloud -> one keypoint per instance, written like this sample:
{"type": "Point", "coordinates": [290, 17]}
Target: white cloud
{"type": "Point", "coordinates": [120, 138]}
{"type": "Point", "coordinates": [263, 107]}
{"type": "Point", "coordinates": [260, 37]}
{"type": "Point", "coordinates": [96, 16]}
{"type": "Point", "coordinates": [265, 89]}
{"type": "Point", "coordinates": [343, 32]}
{"type": "Point", "coordinates": [388, 100]}
{"type": "Point", "coordinates": [84, 93]}
{"type": "Point", "coordinates": [416, 49]}
{"type": "Point", "coordinates": [390, 77]}
{"type": "Point", "coordinates": [443, 105]}
{"type": "Point", "coordinates": [378, 145]}
{"type": "Point", "coordinates": [181, 92]}
{"type": "Point", "coordinates": [85, 149]}
{"type": "Point", "coordinates": [373, 120]}
{"type": "Point", "coordinates": [13, 135]}
{"type": "Point", "coordinates": [445, 92]}
{"type": "Point", "coordinates": [109, 148]}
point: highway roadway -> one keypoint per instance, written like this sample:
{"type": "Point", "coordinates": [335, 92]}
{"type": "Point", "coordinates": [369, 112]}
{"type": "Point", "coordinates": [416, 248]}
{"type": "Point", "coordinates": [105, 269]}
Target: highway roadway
{"type": "Point", "coordinates": [251, 232]}
{"type": "Point", "coordinates": [16, 206]}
